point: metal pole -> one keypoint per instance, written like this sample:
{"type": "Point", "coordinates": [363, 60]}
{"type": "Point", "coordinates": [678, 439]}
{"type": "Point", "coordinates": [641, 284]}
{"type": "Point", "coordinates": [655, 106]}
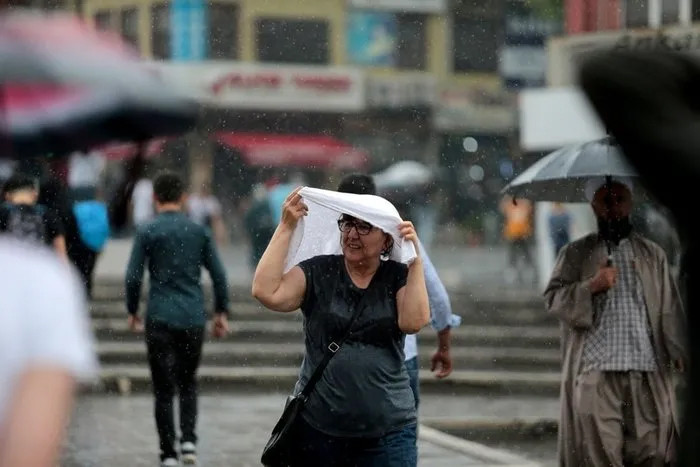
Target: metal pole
{"type": "Point", "coordinates": [654, 13]}
{"type": "Point", "coordinates": [608, 201]}
{"type": "Point", "coordinates": [685, 12]}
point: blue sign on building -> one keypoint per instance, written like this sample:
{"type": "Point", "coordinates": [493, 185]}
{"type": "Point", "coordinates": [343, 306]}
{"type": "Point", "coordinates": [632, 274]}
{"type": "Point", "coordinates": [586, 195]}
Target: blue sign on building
{"type": "Point", "coordinates": [188, 30]}
{"type": "Point", "coordinates": [523, 61]}
{"type": "Point", "coordinates": [371, 38]}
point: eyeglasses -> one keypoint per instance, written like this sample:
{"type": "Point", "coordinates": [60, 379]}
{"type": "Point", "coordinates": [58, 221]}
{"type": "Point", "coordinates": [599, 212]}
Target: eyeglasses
{"type": "Point", "coordinates": [346, 224]}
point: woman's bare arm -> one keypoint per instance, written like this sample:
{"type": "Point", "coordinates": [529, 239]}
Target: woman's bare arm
{"type": "Point", "coordinates": [271, 286]}
{"type": "Point", "coordinates": [412, 299]}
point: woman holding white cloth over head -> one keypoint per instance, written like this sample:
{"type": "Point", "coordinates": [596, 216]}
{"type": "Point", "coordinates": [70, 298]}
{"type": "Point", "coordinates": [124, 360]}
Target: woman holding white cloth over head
{"type": "Point", "coordinates": [361, 412]}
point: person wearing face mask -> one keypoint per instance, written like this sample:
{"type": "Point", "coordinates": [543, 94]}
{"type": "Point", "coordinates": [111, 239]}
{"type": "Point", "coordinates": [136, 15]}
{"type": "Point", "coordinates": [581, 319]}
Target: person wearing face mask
{"type": "Point", "coordinates": [622, 340]}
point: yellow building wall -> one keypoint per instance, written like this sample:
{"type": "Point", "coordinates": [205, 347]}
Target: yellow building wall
{"type": "Point", "coordinates": [438, 47]}
{"type": "Point", "coordinates": [93, 7]}
{"type": "Point", "coordinates": [438, 54]}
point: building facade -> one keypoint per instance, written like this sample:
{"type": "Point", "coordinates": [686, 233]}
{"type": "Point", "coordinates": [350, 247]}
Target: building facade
{"type": "Point", "coordinates": [393, 79]}
{"type": "Point", "coordinates": [593, 25]}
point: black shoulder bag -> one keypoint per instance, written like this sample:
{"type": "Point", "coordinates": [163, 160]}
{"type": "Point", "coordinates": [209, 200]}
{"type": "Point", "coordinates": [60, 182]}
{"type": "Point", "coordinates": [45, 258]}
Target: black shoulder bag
{"type": "Point", "coordinates": [280, 448]}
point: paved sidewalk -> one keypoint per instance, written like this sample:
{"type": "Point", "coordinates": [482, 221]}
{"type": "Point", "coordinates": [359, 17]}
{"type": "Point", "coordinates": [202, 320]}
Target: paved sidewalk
{"type": "Point", "coordinates": [114, 431]}
{"type": "Point", "coordinates": [458, 266]}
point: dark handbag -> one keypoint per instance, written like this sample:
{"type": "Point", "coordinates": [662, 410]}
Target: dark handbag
{"type": "Point", "coordinates": [280, 448]}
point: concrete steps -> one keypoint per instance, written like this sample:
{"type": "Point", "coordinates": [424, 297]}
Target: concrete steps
{"type": "Point", "coordinates": [506, 345]}
{"type": "Point", "coordinates": [249, 354]}
{"type": "Point", "coordinates": [290, 331]}
{"type": "Point", "coordinates": [247, 310]}
{"type": "Point", "coordinates": [127, 378]}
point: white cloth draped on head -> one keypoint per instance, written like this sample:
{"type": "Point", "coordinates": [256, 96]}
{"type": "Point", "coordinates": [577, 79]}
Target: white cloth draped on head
{"type": "Point", "coordinates": [318, 233]}
{"type": "Point", "coordinates": [595, 184]}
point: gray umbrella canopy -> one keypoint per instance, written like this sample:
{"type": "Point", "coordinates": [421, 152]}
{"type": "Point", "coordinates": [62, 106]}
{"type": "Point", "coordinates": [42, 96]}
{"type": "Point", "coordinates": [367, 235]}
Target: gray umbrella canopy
{"type": "Point", "coordinates": [562, 175]}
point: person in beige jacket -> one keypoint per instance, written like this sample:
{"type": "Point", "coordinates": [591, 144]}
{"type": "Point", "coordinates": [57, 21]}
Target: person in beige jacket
{"type": "Point", "coordinates": [622, 340]}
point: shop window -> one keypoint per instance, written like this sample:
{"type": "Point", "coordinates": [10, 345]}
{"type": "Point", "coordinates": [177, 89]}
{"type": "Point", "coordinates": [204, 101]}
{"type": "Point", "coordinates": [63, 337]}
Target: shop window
{"type": "Point", "coordinates": [636, 13]}
{"type": "Point", "coordinates": [670, 11]}
{"type": "Point", "coordinates": [411, 39]}
{"type": "Point", "coordinates": [160, 31]}
{"type": "Point", "coordinates": [103, 20]}
{"type": "Point", "coordinates": [476, 42]}
{"type": "Point", "coordinates": [38, 4]}
{"type": "Point", "coordinates": [223, 31]}
{"type": "Point", "coordinates": [130, 26]}
{"type": "Point", "coordinates": [695, 10]}
{"type": "Point", "coordinates": [292, 41]}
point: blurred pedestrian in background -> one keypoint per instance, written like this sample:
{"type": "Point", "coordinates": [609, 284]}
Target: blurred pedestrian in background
{"type": "Point", "coordinates": [175, 249]}
{"type": "Point", "coordinates": [259, 223]}
{"type": "Point", "coordinates": [205, 209]}
{"type": "Point", "coordinates": [559, 222]}
{"type": "Point", "coordinates": [22, 217]}
{"type": "Point", "coordinates": [517, 231]}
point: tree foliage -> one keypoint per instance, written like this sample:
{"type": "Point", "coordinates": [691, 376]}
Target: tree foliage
{"type": "Point", "coordinates": [549, 9]}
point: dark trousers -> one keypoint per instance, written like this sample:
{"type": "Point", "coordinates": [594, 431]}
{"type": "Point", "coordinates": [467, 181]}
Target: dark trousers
{"type": "Point", "coordinates": [84, 260]}
{"type": "Point", "coordinates": [173, 356]}
{"type": "Point", "coordinates": [519, 249]}
{"type": "Point", "coordinates": [317, 449]}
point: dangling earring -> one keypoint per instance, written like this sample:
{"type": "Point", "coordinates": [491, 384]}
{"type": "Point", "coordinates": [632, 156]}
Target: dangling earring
{"type": "Point", "coordinates": [386, 252]}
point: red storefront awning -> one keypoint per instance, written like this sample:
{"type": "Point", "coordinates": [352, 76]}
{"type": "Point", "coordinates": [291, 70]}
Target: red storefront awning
{"type": "Point", "coordinates": [265, 149]}
{"type": "Point", "coordinates": [120, 151]}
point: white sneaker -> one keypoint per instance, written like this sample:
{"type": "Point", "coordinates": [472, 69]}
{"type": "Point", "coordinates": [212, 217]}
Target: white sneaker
{"type": "Point", "coordinates": [189, 453]}
{"type": "Point", "coordinates": [169, 462]}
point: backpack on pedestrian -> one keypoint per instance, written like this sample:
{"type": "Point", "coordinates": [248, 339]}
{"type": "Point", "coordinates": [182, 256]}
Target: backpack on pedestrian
{"type": "Point", "coordinates": [24, 222]}
{"type": "Point", "coordinates": [92, 218]}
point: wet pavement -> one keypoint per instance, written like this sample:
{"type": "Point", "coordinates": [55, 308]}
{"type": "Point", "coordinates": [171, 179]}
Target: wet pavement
{"type": "Point", "coordinates": [109, 430]}
{"type": "Point", "coordinates": [115, 431]}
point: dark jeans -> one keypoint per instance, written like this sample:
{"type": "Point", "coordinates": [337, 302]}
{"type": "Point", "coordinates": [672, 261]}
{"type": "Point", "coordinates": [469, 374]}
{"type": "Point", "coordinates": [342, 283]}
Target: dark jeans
{"type": "Point", "coordinates": [173, 356]}
{"type": "Point", "coordinates": [412, 368]}
{"type": "Point", "coordinates": [317, 449]}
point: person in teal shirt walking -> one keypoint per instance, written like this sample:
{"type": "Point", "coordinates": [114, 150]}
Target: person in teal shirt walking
{"type": "Point", "coordinates": [175, 250]}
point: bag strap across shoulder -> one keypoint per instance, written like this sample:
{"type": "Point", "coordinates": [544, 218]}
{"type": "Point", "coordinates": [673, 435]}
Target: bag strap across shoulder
{"type": "Point", "coordinates": [333, 348]}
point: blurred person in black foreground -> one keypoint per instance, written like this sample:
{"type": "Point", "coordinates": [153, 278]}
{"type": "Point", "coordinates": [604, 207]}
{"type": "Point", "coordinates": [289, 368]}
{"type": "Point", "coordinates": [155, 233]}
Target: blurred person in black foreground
{"type": "Point", "coordinates": [649, 101]}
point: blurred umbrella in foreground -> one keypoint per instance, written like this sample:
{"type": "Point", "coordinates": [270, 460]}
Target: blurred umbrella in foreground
{"type": "Point", "coordinates": [562, 176]}
{"type": "Point", "coordinates": [49, 119]}
{"type": "Point", "coordinates": [64, 86]}
{"type": "Point", "coordinates": [650, 102]}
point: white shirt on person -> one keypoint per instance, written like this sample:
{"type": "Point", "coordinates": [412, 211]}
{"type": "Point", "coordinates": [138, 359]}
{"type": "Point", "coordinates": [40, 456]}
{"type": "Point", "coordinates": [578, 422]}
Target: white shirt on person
{"type": "Point", "coordinates": [202, 208]}
{"type": "Point", "coordinates": [43, 318]}
{"type": "Point", "coordinates": [84, 170]}
{"type": "Point", "coordinates": [441, 316]}
{"type": "Point", "coordinates": [143, 210]}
